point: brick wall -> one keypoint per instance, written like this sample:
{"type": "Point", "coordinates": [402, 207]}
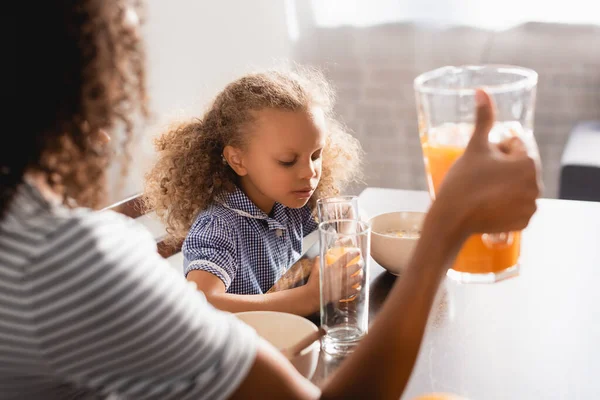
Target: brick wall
{"type": "Point", "coordinates": [373, 70]}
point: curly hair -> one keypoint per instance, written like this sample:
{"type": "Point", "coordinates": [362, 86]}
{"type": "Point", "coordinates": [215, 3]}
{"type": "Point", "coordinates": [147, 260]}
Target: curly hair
{"type": "Point", "coordinates": [189, 172]}
{"type": "Point", "coordinates": [83, 68]}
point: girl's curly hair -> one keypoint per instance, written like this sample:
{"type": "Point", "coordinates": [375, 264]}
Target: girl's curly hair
{"type": "Point", "coordinates": [83, 69]}
{"type": "Point", "coordinates": [190, 173]}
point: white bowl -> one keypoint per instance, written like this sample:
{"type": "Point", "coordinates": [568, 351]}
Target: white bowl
{"type": "Point", "coordinates": [283, 330]}
{"type": "Point", "coordinates": [394, 253]}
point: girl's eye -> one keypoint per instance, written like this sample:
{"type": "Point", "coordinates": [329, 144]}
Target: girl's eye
{"type": "Point", "coordinates": [317, 155]}
{"type": "Point", "coordinates": [287, 163]}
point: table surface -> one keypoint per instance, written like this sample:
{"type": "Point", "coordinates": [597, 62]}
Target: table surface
{"type": "Point", "coordinates": [534, 336]}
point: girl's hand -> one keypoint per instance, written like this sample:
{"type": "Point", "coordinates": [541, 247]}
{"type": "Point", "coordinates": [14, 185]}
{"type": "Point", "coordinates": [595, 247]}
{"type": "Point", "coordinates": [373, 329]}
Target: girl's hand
{"type": "Point", "coordinates": [343, 279]}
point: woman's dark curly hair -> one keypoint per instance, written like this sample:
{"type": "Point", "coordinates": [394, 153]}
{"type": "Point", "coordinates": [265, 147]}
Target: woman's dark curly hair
{"type": "Point", "coordinates": [81, 70]}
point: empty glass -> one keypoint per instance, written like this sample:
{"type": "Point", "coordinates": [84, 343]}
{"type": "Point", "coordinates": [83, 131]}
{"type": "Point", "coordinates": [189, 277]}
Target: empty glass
{"type": "Point", "coordinates": [337, 207]}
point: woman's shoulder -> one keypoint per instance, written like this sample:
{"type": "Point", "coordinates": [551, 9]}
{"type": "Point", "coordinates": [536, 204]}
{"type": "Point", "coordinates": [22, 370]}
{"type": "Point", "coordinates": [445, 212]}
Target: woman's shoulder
{"type": "Point", "coordinates": [95, 225]}
{"type": "Point", "coordinates": [34, 217]}
{"type": "Point", "coordinates": [52, 237]}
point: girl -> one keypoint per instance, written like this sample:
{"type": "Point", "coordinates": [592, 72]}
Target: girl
{"type": "Point", "coordinates": [240, 185]}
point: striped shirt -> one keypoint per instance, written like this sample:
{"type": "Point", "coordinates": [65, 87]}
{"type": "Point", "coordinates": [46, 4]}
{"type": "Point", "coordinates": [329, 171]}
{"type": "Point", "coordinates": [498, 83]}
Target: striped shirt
{"type": "Point", "coordinates": [89, 310]}
{"type": "Point", "coordinates": [247, 249]}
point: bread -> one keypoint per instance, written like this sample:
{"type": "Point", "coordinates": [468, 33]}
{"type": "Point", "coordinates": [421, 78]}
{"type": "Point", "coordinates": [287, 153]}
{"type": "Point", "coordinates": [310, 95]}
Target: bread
{"type": "Point", "coordinates": [296, 275]}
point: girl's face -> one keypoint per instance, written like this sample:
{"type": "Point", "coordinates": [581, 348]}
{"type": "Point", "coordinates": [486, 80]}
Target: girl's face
{"type": "Point", "coordinates": [282, 161]}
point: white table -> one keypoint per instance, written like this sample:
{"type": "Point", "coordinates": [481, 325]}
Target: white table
{"type": "Point", "coordinates": [535, 336]}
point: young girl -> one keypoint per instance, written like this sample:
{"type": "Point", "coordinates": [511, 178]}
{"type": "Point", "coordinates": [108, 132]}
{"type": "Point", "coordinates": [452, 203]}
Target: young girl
{"type": "Point", "coordinates": [240, 185]}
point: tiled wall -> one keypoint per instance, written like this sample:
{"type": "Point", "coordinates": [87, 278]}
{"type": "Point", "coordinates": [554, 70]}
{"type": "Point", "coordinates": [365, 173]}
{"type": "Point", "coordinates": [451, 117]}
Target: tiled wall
{"type": "Point", "coordinates": [373, 69]}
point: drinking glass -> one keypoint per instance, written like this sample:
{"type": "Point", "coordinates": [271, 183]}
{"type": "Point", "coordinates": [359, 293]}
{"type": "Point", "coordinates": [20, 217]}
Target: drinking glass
{"type": "Point", "coordinates": [337, 207]}
{"type": "Point", "coordinates": [344, 288]}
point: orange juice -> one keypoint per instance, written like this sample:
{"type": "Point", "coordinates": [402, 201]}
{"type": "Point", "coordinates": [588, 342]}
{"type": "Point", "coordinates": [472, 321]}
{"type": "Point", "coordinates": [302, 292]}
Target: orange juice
{"type": "Point", "coordinates": [333, 254]}
{"type": "Point", "coordinates": [476, 256]}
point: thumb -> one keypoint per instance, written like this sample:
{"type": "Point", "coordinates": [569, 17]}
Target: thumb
{"type": "Point", "coordinates": [484, 120]}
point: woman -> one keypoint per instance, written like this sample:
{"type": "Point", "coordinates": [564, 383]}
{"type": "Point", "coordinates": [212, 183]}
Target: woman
{"type": "Point", "coordinates": [88, 309]}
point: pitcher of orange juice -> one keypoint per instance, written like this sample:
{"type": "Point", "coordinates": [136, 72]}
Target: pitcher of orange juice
{"type": "Point", "coordinates": [446, 114]}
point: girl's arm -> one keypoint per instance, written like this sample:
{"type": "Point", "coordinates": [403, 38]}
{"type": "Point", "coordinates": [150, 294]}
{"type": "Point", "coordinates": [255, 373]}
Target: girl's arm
{"type": "Point", "coordinates": [303, 300]}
